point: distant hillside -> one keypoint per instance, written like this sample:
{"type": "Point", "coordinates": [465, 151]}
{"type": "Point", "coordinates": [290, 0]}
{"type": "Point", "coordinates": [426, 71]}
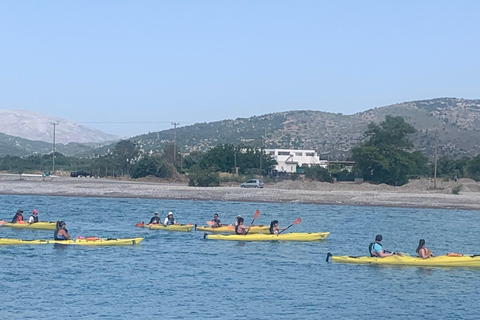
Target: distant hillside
{"type": "Point", "coordinates": [15, 146]}
{"type": "Point", "coordinates": [38, 127]}
{"type": "Point", "coordinates": [457, 122]}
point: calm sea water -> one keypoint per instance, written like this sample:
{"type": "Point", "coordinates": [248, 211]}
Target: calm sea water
{"type": "Point", "coordinates": [181, 276]}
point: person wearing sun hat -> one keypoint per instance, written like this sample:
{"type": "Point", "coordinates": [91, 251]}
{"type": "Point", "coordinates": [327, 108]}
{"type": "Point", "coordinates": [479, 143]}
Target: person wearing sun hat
{"type": "Point", "coordinates": [33, 217]}
{"type": "Point", "coordinates": [169, 220]}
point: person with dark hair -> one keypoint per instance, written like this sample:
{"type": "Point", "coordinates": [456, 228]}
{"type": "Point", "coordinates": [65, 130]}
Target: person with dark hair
{"type": "Point", "coordinates": [61, 232]}
{"type": "Point", "coordinates": [216, 221]}
{"type": "Point", "coordinates": [422, 251]}
{"type": "Point", "coordinates": [236, 220]}
{"type": "Point", "coordinates": [240, 228]}
{"type": "Point", "coordinates": [274, 228]}
{"type": "Point", "coordinates": [18, 216]}
{"type": "Point", "coordinates": [376, 248]}
{"type": "Point", "coordinates": [155, 219]}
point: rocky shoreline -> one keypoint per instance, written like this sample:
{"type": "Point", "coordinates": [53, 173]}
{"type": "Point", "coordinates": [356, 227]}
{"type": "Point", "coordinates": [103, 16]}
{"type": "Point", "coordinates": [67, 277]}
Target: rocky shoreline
{"type": "Point", "coordinates": [416, 194]}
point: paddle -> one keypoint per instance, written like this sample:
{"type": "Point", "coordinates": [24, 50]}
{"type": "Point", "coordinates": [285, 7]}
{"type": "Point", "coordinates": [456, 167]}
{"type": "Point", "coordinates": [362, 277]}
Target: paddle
{"type": "Point", "coordinates": [140, 224]}
{"type": "Point", "coordinates": [257, 214]}
{"type": "Point", "coordinates": [297, 221]}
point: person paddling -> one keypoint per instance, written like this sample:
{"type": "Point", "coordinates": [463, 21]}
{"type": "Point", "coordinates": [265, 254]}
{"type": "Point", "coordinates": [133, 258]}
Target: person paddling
{"type": "Point", "coordinates": [216, 221]}
{"type": "Point", "coordinates": [18, 216]}
{"type": "Point", "coordinates": [422, 251]}
{"type": "Point", "coordinates": [155, 219]}
{"type": "Point", "coordinates": [61, 232]}
{"type": "Point", "coordinates": [236, 220]}
{"type": "Point", "coordinates": [169, 220]}
{"type": "Point", "coordinates": [33, 217]}
{"type": "Point", "coordinates": [274, 228]}
{"type": "Point", "coordinates": [376, 248]}
{"type": "Point", "coordinates": [240, 228]}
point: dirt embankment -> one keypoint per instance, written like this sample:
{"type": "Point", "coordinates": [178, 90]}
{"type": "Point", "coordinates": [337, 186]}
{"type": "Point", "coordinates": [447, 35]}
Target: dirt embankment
{"type": "Point", "coordinates": [417, 193]}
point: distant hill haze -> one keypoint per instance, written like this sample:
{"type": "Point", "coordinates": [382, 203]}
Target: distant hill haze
{"type": "Point", "coordinates": [38, 127]}
{"type": "Point", "coordinates": [332, 135]}
{"type": "Point", "coordinates": [456, 121]}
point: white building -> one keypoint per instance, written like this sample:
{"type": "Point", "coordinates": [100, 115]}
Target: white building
{"type": "Point", "coordinates": [289, 160]}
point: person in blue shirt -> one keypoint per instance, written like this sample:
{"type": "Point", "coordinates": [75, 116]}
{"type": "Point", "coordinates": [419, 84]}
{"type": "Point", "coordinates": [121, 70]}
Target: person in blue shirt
{"type": "Point", "coordinates": [376, 248]}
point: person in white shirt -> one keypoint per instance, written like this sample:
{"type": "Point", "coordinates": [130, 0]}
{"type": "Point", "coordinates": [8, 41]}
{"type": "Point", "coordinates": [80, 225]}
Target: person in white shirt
{"type": "Point", "coordinates": [33, 217]}
{"type": "Point", "coordinates": [169, 220]}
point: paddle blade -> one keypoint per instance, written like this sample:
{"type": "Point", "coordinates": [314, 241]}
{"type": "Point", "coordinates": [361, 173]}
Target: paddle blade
{"type": "Point", "coordinates": [230, 227]}
{"type": "Point", "coordinates": [297, 221]}
{"type": "Point", "coordinates": [210, 223]}
{"type": "Point", "coordinates": [140, 224]}
{"type": "Point", "coordinates": [257, 214]}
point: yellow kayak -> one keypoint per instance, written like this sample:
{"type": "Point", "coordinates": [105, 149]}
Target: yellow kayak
{"type": "Point", "coordinates": [231, 229]}
{"type": "Point", "coordinates": [101, 242]}
{"type": "Point", "coordinates": [173, 227]}
{"type": "Point", "coordinates": [41, 225]}
{"type": "Point", "coordinates": [270, 237]}
{"type": "Point", "coordinates": [439, 261]}
{"type": "Point", "coordinates": [79, 242]}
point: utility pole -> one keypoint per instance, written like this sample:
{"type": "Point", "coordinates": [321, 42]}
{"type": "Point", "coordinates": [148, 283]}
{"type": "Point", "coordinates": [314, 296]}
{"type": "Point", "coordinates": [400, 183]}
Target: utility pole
{"type": "Point", "coordinates": [175, 124]}
{"type": "Point", "coordinates": [435, 159]}
{"type": "Point", "coordinates": [261, 150]}
{"type": "Point", "coordinates": [54, 124]}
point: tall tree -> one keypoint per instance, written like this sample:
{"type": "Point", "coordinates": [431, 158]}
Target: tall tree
{"type": "Point", "coordinates": [385, 157]}
{"type": "Point", "coordinates": [126, 153]}
{"type": "Point", "coordinates": [473, 167]}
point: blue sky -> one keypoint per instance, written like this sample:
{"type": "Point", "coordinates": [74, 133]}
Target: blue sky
{"type": "Point", "coordinates": [141, 65]}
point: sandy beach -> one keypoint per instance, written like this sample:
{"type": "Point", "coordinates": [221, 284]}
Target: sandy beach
{"type": "Point", "coordinates": [417, 193]}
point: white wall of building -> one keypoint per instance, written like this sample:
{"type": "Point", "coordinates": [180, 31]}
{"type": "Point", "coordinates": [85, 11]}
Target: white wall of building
{"type": "Point", "coordinates": [289, 159]}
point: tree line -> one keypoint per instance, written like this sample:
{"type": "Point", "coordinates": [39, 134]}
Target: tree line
{"type": "Point", "coordinates": [385, 156]}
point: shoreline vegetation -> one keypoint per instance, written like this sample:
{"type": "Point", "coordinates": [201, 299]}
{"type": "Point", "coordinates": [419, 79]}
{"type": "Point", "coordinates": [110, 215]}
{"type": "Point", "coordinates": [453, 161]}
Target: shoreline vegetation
{"type": "Point", "coordinates": [415, 194]}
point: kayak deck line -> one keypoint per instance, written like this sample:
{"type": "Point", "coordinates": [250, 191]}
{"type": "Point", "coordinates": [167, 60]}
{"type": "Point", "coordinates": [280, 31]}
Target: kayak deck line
{"type": "Point", "coordinates": [315, 236]}
{"type": "Point", "coordinates": [231, 229]}
{"type": "Point", "coordinates": [41, 225]}
{"type": "Point", "coordinates": [438, 261]}
{"type": "Point", "coordinates": [83, 242]}
{"type": "Point", "coordinates": [174, 227]}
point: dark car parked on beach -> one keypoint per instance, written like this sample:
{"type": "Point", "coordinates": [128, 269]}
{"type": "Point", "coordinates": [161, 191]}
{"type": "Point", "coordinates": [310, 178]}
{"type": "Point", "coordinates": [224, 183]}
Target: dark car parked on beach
{"type": "Point", "coordinates": [78, 173]}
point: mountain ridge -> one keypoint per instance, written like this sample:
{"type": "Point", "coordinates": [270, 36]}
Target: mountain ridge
{"type": "Point", "coordinates": [38, 127]}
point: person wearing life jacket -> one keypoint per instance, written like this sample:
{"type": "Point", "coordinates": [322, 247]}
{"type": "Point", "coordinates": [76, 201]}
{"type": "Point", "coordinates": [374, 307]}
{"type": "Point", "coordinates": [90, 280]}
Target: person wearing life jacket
{"type": "Point", "coordinates": [18, 216]}
{"type": "Point", "coordinates": [216, 222]}
{"type": "Point", "coordinates": [274, 228]}
{"type": "Point", "coordinates": [61, 232]}
{"type": "Point", "coordinates": [422, 251]}
{"type": "Point", "coordinates": [169, 220]}
{"type": "Point", "coordinates": [376, 248]}
{"type": "Point", "coordinates": [33, 217]}
{"type": "Point", "coordinates": [155, 219]}
{"type": "Point", "coordinates": [240, 228]}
